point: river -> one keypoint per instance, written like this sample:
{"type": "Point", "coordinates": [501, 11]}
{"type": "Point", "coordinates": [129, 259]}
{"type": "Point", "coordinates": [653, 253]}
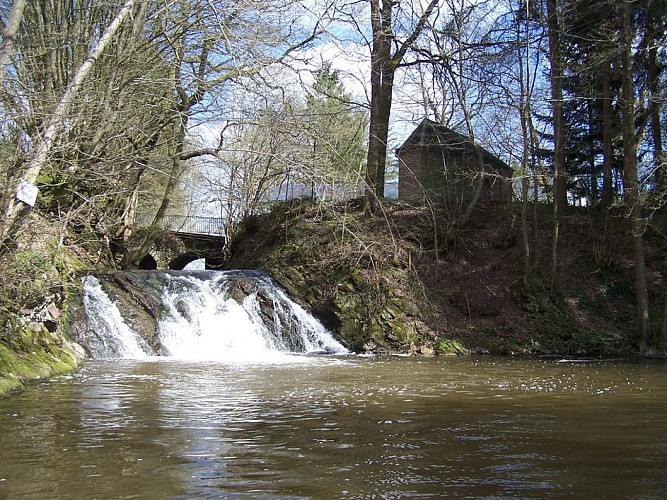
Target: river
{"type": "Point", "coordinates": [339, 426]}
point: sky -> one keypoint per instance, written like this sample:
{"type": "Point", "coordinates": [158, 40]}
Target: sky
{"type": "Point", "coordinates": [348, 53]}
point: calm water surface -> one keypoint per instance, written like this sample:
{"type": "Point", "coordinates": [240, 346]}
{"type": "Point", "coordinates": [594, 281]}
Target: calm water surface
{"type": "Point", "coordinates": [343, 427]}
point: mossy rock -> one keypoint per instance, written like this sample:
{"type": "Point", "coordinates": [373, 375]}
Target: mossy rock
{"type": "Point", "coordinates": [452, 347]}
{"type": "Point", "coordinates": [17, 369]}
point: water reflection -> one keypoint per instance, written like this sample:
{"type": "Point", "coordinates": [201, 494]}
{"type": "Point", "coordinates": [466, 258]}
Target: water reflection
{"type": "Point", "coordinates": [340, 428]}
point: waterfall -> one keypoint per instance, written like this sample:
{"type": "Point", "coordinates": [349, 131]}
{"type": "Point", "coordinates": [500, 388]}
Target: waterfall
{"type": "Point", "coordinates": [207, 315]}
{"type": "Point", "coordinates": [108, 334]}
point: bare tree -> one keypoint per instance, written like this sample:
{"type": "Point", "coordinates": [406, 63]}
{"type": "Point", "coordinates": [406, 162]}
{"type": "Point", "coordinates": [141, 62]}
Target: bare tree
{"type": "Point", "coordinates": [115, 135]}
{"type": "Point", "coordinates": [261, 153]}
{"type": "Point", "coordinates": [384, 63]}
{"type": "Point", "coordinates": [40, 154]}
{"type": "Point", "coordinates": [460, 74]}
{"type": "Point", "coordinates": [462, 57]}
{"type": "Point", "coordinates": [110, 147]}
{"type": "Point", "coordinates": [525, 78]}
{"type": "Point", "coordinates": [212, 45]}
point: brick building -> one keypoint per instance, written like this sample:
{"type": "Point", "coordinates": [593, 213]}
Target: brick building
{"type": "Point", "coordinates": [443, 164]}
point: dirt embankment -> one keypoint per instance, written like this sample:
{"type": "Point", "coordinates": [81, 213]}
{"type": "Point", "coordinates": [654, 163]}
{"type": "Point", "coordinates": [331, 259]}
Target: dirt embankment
{"type": "Point", "coordinates": [406, 281]}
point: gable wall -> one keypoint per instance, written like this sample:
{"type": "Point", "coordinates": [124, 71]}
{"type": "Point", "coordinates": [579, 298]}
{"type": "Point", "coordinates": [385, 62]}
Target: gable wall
{"type": "Point", "coordinates": [422, 171]}
{"type": "Point", "coordinates": [409, 172]}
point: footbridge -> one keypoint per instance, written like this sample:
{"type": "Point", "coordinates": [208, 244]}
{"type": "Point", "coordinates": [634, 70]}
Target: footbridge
{"type": "Point", "coordinates": [185, 239]}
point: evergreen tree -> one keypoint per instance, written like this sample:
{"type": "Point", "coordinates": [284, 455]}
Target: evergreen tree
{"type": "Point", "coordinates": [337, 130]}
{"type": "Point", "coordinates": [591, 94]}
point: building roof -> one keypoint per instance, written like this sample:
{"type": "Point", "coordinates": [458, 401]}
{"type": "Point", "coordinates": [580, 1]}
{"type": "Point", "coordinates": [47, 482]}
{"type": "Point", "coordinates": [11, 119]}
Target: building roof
{"type": "Point", "coordinates": [431, 134]}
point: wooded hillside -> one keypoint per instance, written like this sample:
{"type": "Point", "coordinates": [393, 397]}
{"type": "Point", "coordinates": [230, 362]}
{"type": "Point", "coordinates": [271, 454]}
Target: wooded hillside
{"type": "Point", "coordinates": [406, 283]}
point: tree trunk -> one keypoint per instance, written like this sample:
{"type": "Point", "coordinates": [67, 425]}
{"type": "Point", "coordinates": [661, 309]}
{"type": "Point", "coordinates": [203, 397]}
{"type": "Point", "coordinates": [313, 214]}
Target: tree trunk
{"type": "Point", "coordinates": [382, 76]}
{"type": "Point", "coordinates": [524, 110]}
{"type": "Point", "coordinates": [465, 218]}
{"type": "Point", "coordinates": [556, 77]}
{"type": "Point", "coordinates": [607, 146]}
{"type": "Point", "coordinates": [383, 67]}
{"type": "Point", "coordinates": [638, 224]}
{"type": "Point", "coordinates": [381, 89]}
{"type": "Point", "coordinates": [660, 175]}
{"type": "Point", "coordinates": [525, 184]}
{"type": "Point", "coordinates": [654, 111]}
{"type": "Point", "coordinates": [593, 197]}
{"type": "Point", "coordinates": [177, 167]}
{"type": "Point", "coordinates": [536, 176]}
{"type": "Point", "coordinates": [663, 339]}
{"type": "Point", "coordinates": [9, 34]}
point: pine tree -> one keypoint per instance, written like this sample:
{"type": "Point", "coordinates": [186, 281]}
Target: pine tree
{"type": "Point", "coordinates": [336, 130]}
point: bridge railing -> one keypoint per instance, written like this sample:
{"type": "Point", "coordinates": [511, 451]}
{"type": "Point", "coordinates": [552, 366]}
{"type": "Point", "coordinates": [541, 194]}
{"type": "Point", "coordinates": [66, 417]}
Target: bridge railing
{"type": "Point", "coordinates": [186, 224]}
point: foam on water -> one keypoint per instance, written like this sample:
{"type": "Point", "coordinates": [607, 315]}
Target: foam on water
{"type": "Point", "coordinates": [200, 321]}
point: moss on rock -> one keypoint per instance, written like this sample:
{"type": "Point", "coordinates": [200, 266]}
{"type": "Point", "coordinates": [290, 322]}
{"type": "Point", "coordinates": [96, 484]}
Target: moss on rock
{"type": "Point", "coordinates": [38, 285]}
{"type": "Point", "coordinates": [36, 360]}
{"type": "Point", "coordinates": [452, 347]}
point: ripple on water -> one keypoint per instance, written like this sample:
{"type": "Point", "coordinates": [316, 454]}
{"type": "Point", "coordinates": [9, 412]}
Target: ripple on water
{"type": "Point", "coordinates": [350, 427]}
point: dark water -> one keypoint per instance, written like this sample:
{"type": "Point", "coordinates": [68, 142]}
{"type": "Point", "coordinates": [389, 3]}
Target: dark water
{"type": "Point", "coordinates": [340, 428]}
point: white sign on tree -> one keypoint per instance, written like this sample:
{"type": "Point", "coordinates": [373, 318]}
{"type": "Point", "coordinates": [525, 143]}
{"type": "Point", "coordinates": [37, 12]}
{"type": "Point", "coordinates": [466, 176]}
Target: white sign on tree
{"type": "Point", "coordinates": [27, 193]}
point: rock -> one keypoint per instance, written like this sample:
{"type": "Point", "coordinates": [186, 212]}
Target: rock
{"type": "Point", "coordinates": [53, 313]}
{"type": "Point", "coordinates": [426, 350]}
{"type": "Point", "coordinates": [184, 310]}
{"type": "Point", "coordinates": [370, 346]}
{"type": "Point", "coordinates": [137, 296]}
{"type": "Point", "coordinates": [141, 291]}
{"type": "Point", "coordinates": [241, 289]}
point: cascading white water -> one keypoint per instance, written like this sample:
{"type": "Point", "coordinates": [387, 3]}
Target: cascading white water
{"type": "Point", "coordinates": [208, 315]}
{"type": "Point", "coordinates": [108, 334]}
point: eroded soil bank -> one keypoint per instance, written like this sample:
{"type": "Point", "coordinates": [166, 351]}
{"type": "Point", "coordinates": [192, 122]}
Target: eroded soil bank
{"type": "Point", "coordinates": [408, 281]}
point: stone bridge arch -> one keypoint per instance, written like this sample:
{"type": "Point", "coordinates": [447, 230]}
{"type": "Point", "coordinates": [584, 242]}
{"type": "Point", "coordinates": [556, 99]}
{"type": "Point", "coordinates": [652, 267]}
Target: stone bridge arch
{"type": "Point", "coordinates": [186, 239]}
{"type": "Point", "coordinates": [183, 260]}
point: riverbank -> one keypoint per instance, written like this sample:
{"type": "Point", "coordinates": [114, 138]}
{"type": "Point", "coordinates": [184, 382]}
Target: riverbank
{"type": "Point", "coordinates": [401, 282]}
{"type": "Point", "coordinates": [407, 282]}
{"type": "Point", "coordinates": [40, 296]}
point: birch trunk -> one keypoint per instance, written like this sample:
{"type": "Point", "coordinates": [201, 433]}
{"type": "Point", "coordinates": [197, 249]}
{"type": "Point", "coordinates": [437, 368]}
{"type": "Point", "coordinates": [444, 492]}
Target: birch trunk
{"type": "Point", "coordinates": [9, 34]}
{"type": "Point", "coordinates": [55, 124]}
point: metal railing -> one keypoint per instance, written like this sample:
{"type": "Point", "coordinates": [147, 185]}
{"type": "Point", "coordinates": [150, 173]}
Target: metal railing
{"type": "Point", "coordinates": [212, 226]}
{"type": "Point", "coordinates": [334, 191]}
{"type": "Point", "coordinates": [215, 226]}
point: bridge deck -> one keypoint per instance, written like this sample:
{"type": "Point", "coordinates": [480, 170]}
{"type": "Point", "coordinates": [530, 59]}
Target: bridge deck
{"type": "Point", "coordinates": [195, 225]}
